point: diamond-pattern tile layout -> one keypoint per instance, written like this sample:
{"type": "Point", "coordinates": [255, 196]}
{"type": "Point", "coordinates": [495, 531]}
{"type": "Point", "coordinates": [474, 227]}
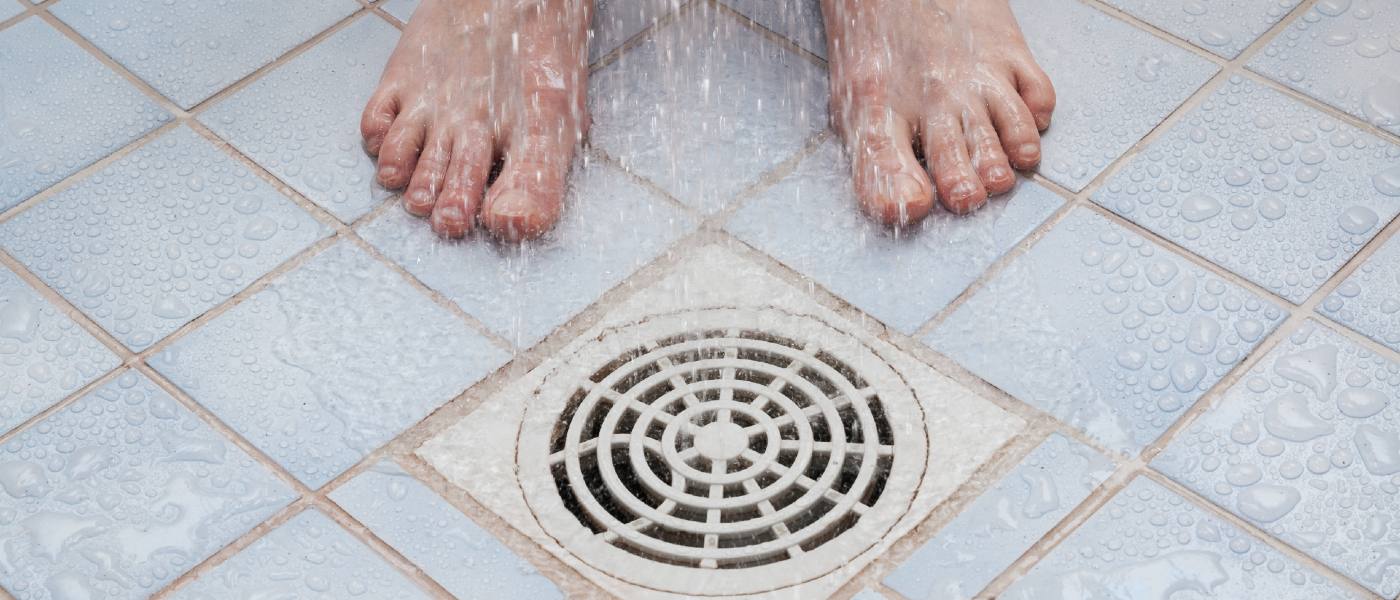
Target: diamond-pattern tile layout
{"type": "Point", "coordinates": [329, 362]}
{"type": "Point", "coordinates": [1223, 27]}
{"type": "Point", "coordinates": [1106, 331]}
{"type": "Point", "coordinates": [298, 121]}
{"type": "Point", "coordinates": [1369, 300]}
{"type": "Point", "coordinates": [60, 110]}
{"type": "Point", "coordinates": [616, 21]}
{"type": "Point", "coordinates": [188, 51]}
{"type": "Point", "coordinates": [1114, 84]}
{"type": "Point", "coordinates": [400, 9]}
{"type": "Point", "coordinates": [120, 493]}
{"type": "Point", "coordinates": [1262, 185]}
{"type": "Point", "coordinates": [1307, 446]}
{"type": "Point", "coordinates": [798, 20]}
{"type": "Point", "coordinates": [159, 236]}
{"type": "Point", "coordinates": [9, 9]}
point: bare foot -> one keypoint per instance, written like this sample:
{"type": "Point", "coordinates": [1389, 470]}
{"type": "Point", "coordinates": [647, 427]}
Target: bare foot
{"type": "Point", "coordinates": [952, 77]}
{"type": "Point", "coordinates": [476, 81]}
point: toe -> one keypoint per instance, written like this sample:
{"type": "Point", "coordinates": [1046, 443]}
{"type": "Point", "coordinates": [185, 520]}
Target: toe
{"type": "Point", "coordinates": [377, 118]}
{"type": "Point", "coordinates": [399, 154]}
{"type": "Point", "coordinates": [428, 174]}
{"type": "Point", "coordinates": [529, 194]}
{"type": "Point", "coordinates": [1036, 92]}
{"type": "Point", "coordinates": [456, 209]}
{"type": "Point", "coordinates": [945, 148]}
{"type": "Point", "coordinates": [1016, 128]}
{"type": "Point", "coordinates": [987, 157]}
{"type": "Point", "coordinates": [890, 185]}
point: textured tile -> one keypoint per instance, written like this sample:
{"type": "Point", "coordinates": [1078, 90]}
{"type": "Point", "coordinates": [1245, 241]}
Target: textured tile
{"type": "Point", "coordinates": [448, 546]}
{"type": "Point", "coordinates": [1149, 544]}
{"type": "Point", "coordinates": [799, 20]}
{"type": "Point", "coordinates": [1002, 523]}
{"type": "Point", "coordinates": [1307, 446]}
{"type": "Point", "coordinates": [299, 121]}
{"type": "Point", "coordinates": [1343, 53]}
{"type": "Point", "coordinates": [307, 558]}
{"type": "Point", "coordinates": [1262, 185]}
{"type": "Point", "coordinates": [400, 9]}
{"type": "Point", "coordinates": [120, 493]}
{"type": "Point", "coordinates": [159, 237]}
{"type": "Point", "coordinates": [190, 50]}
{"type": "Point", "coordinates": [1222, 27]}
{"type": "Point", "coordinates": [60, 110]}
{"type": "Point", "coordinates": [705, 106]}
{"type": "Point", "coordinates": [44, 355]}
{"type": "Point", "coordinates": [1369, 300]}
{"type": "Point", "coordinates": [1114, 83]}
{"type": "Point", "coordinates": [616, 21]}
{"type": "Point", "coordinates": [810, 221]}
{"type": "Point", "coordinates": [9, 9]}
{"type": "Point", "coordinates": [1106, 331]}
{"type": "Point", "coordinates": [867, 594]}
{"type": "Point", "coordinates": [610, 227]}
{"type": "Point", "coordinates": [329, 362]}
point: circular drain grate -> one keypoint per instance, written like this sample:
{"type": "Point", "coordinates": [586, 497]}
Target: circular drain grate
{"type": "Point", "coordinates": [764, 446]}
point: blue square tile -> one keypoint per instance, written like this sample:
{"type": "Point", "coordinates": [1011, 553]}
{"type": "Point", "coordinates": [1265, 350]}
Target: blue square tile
{"type": "Point", "coordinates": [810, 221]}
{"type": "Point", "coordinates": [1342, 53]}
{"type": "Point", "coordinates": [705, 106]}
{"type": "Point", "coordinates": [1114, 84]}
{"type": "Point", "coordinates": [1223, 27]}
{"type": "Point", "coordinates": [299, 121]}
{"type": "Point", "coordinates": [400, 9]}
{"type": "Point", "coordinates": [158, 237]}
{"type": "Point", "coordinates": [307, 558]}
{"type": "Point", "coordinates": [1106, 331]}
{"type": "Point", "coordinates": [44, 355]}
{"type": "Point", "coordinates": [799, 20]}
{"type": "Point", "coordinates": [188, 51]}
{"type": "Point", "coordinates": [1262, 185]}
{"type": "Point", "coordinates": [1307, 446]}
{"type": "Point", "coordinates": [616, 21]}
{"type": "Point", "coordinates": [609, 229]}
{"type": "Point", "coordinates": [1369, 300]}
{"type": "Point", "coordinates": [9, 9]}
{"type": "Point", "coordinates": [1000, 525]}
{"type": "Point", "coordinates": [329, 362]}
{"type": "Point", "coordinates": [448, 546]}
{"type": "Point", "coordinates": [1149, 543]}
{"type": "Point", "coordinates": [120, 493]}
{"type": "Point", "coordinates": [60, 110]}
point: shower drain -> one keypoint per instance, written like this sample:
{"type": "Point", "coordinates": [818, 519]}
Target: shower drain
{"type": "Point", "coordinates": [752, 449]}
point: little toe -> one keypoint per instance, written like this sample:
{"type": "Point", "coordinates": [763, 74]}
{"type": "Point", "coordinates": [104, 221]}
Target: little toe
{"type": "Point", "coordinates": [399, 154]}
{"type": "Point", "coordinates": [987, 156]}
{"type": "Point", "coordinates": [377, 118]}
{"type": "Point", "coordinates": [455, 212]}
{"type": "Point", "coordinates": [1016, 127]}
{"type": "Point", "coordinates": [1037, 92]}
{"type": "Point", "coordinates": [945, 148]}
{"type": "Point", "coordinates": [428, 174]}
{"type": "Point", "coordinates": [889, 183]}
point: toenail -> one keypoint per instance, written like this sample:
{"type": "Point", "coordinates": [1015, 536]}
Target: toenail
{"type": "Point", "coordinates": [998, 173]}
{"type": "Point", "coordinates": [388, 172]}
{"type": "Point", "coordinates": [512, 204]}
{"type": "Point", "coordinates": [420, 197]}
{"type": "Point", "coordinates": [451, 214]}
{"type": "Point", "coordinates": [964, 189]}
{"type": "Point", "coordinates": [1029, 150]}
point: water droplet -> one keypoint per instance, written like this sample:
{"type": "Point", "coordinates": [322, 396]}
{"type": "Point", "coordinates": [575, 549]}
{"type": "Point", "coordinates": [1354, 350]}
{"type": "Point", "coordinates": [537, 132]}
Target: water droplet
{"type": "Point", "coordinates": [1268, 503]}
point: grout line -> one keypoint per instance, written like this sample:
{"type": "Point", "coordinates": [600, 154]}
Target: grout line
{"type": "Point", "coordinates": [279, 518]}
{"type": "Point", "coordinates": [684, 7]}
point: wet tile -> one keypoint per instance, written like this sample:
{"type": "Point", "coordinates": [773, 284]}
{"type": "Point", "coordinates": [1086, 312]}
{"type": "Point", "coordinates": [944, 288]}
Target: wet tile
{"type": "Point", "coordinates": [799, 21]}
{"type": "Point", "coordinates": [1108, 332]}
{"type": "Point", "coordinates": [1223, 27]}
{"type": "Point", "coordinates": [120, 493]}
{"type": "Point", "coordinates": [1343, 53]}
{"type": "Point", "coordinates": [1369, 300]}
{"type": "Point", "coordinates": [9, 9]}
{"type": "Point", "coordinates": [1262, 185]}
{"type": "Point", "coordinates": [465, 559]}
{"type": "Point", "coordinates": [1148, 542]}
{"type": "Point", "coordinates": [609, 229]}
{"type": "Point", "coordinates": [1114, 84]}
{"type": "Point", "coordinates": [299, 121]}
{"type": "Point", "coordinates": [329, 362]}
{"type": "Point", "coordinates": [705, 106]}
{"type": "Point", "coordinates": [309, 558]}
{"type": "Point", "coordinates": [44, 355]}
{"type": "Point", "coordinates": [1307, 446]}
{"type": "Point", "coordinates": [188, 51]}
{"type": "Point", "coordinates": [51, 120]}
{"type": "Point", "coordinates": [1001, 524]}
{"type": "Point", "coordinates": [616, 21]}
{"type": "Point", "coordinates": [159, 237]}
{"type": "Point", "coordinates": [868, 594]}
{"type": "Point", "coordinates": [400, 9]}
{"type": "Point", "coordinates": [810, 221]}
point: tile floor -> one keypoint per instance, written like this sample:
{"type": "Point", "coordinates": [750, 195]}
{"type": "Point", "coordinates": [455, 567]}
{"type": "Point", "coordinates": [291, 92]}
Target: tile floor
{"type": "Point", "coordinates": [1181, 337]}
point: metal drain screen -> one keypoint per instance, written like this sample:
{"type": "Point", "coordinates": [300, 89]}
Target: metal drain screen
{"type": "Point", "coordinates": [725, 452]}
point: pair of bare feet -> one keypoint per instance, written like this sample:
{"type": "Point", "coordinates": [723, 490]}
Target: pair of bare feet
{"type": "Point", "coordinates": [474, 83]}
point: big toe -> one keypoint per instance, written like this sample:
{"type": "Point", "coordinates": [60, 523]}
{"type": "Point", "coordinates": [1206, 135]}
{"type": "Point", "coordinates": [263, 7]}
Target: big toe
{"type": "Point", "coordinates": [516, 214]}
{"type": "Point", "coordinates": [889, 183]}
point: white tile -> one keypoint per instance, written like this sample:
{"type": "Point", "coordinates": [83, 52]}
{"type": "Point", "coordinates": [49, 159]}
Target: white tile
{"type": "Point", "coordinates": [796, 20]}
{"type": "Point", "coordinates": [1222, 27]}
{"type": "Point", "coordinates": [616, 21]}
{"type": "Point", "coordinates": [1369, 300]}
{"type": "Point", "coordinates": [9, 9]}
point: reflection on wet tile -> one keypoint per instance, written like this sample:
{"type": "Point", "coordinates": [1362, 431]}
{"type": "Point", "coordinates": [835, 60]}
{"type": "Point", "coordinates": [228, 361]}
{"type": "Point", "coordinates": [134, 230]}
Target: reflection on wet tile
{"type": "Point", "coordinates": [1369, 300]}
{"type": "Point", "coordinates": [400, 9]}
{"type": "Point", "coordinates": [1222, 27]}
{"type": "Point", "coordinates": [301, 120]}
{"type": "Point", "coordinates": [1264, 186]}
{"type": "Point", "coordinates": [799, 20]}
{"type": "Point", "coordinates": [120, 493]}
{"type": "Point", "coordinates": [1002, 523]}
{"type": "Point", "coordinates": [307, 558]}
{"type": "Point", "coordinates": [1114, 83]}
{"type": "Point", "coordinates": [448, 546]}
{"type": "Point", "coordinates": [1343, 53]}
{"type": "Point", "coordinates": [810, 221]}
{"type": "Point", "coordinates": [188, 51]}
{"type": "Point", "coordinates": [158, 237]}
{"type": "Point", "coordinates": [60, 110]}
{"type": "Point", "coordinates": [616, 21]}
{"type": "Point", "coordinates": [705, 106]}
{"type": "Point", "coordinates": [610, 228]}
{"type": "Point", "coordinates": [329, 362]}
{"type": "Point", "coordinates": [44, 355]}
{"type": "Point", "coordinates": [1148, 543]}
{"type": "Point", "coordinates": [1307, 446]}
{"type": "Point", "coordinates": [1106, 331]}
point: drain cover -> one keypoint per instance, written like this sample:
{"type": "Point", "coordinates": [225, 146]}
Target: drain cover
{"type": "Point", "coordinates": [753, 449]}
